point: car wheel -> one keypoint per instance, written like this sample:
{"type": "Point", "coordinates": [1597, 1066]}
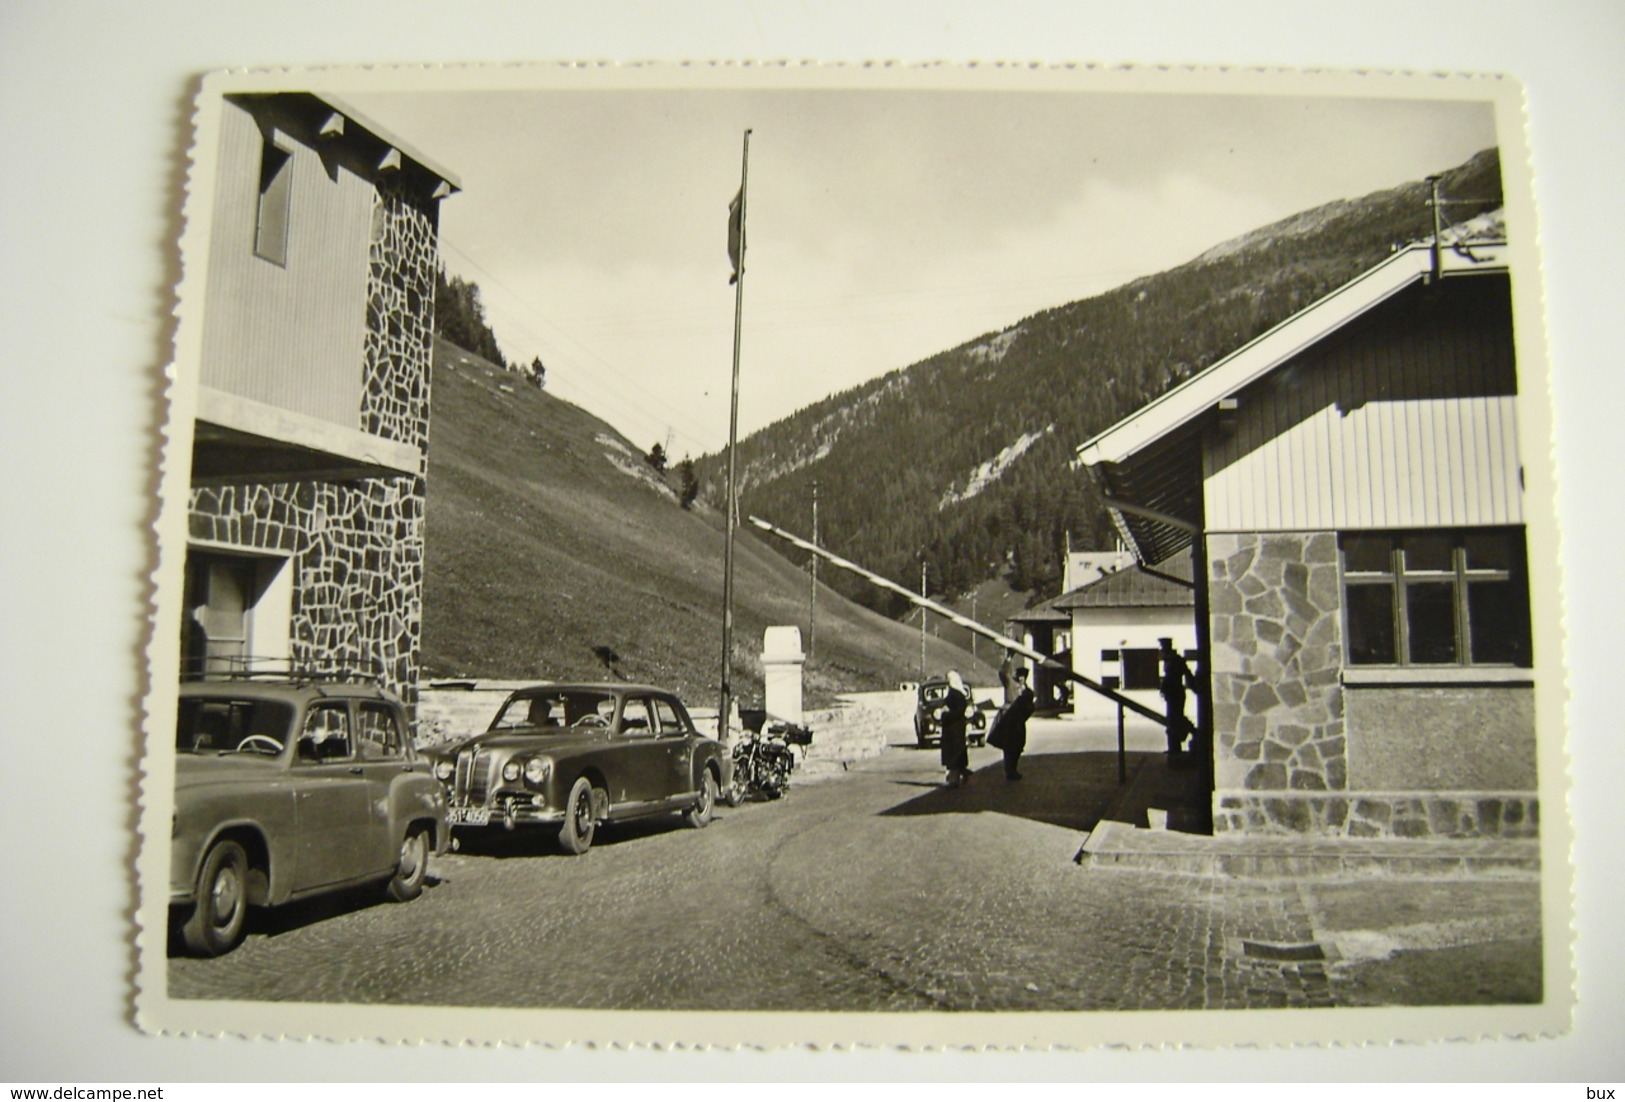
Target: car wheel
{"type": "Point", "coordinates": [575, 836]}
{"type": "Point", "coordinates": [216, 923]}
{"type": "Point", "coordinates": [700, 814]}
{"type": "Point", "coordinates": [412, 868]}
{"type": "Point", "coordinates": [919, 735]}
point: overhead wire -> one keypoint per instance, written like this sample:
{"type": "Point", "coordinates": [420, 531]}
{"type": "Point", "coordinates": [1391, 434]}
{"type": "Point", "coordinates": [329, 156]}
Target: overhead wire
{"type": "Point", "coordinates": [770, 316]}
{"type": "Point", "coordinates": [608, 396]}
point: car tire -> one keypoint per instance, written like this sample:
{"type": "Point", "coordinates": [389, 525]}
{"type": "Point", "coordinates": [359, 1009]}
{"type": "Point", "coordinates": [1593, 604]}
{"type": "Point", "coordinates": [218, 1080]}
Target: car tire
{"type": "Point", "coordinates": [919, 735]}
{"type": "Point", "coordinates": [215, 925]}
{"type": "Point", "coordinates": [411, 867]}
{"type": "Point", "coordinates": [575, 835]}
{"type": "Point", "coordinates": [700, 814]}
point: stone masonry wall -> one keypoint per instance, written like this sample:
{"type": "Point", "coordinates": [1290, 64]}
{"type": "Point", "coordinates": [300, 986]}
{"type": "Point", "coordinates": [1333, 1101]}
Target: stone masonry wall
{"type": "Point", "coordinates": [400, 317]}
{"type": "Point", "coordinates": [1277, 651]}
{"type": "Point", "coordinates": [356, 550]}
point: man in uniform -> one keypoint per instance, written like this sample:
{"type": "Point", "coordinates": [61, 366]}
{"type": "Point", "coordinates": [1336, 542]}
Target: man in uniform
{"type": "Point", "coordinates": [1175, 676]}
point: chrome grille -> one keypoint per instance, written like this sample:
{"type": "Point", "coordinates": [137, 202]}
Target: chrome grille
{"type": "Point", "coordinates": [473, 781]}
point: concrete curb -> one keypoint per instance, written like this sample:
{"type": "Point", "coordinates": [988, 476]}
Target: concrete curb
{"type": "Point", "coordinates": [1114, 844]}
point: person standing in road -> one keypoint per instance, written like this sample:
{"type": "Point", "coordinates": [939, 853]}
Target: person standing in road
{"type": "Point", "coordinates": [1007, 676]}
{"type": "Point", "coordinates": [955, 756]}
{"type": "Point", "coordinates": [1010, 728]}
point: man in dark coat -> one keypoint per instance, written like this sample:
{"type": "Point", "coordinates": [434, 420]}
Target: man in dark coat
{"type": "Point", "coordinates": [1175, 676]}
{"type": "Point", "coordinates": [955, 756]}
{"type": "Point", "coordinates": [1009, 732]}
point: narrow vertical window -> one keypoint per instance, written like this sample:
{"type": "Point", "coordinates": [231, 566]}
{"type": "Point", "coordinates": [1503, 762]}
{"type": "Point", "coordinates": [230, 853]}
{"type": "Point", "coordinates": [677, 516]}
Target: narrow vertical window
{"type": "Point", "coordinates": [276, 195]}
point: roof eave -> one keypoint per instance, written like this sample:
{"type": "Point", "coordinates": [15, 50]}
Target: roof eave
{"type": "Point", "coordinates": [1269, 350]}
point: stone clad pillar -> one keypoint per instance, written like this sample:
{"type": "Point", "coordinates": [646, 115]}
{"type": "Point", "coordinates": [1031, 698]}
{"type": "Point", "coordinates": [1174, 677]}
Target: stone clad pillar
{"type": "Point", "coordinates": [782, 659]}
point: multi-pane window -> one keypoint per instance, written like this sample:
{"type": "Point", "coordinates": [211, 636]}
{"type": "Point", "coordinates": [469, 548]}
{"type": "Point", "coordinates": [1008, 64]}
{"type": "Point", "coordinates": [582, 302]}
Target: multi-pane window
{"type": "Point", "coordinates": [1436, 598]}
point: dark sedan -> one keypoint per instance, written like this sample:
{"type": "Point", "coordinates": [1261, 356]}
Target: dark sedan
{"type": "Point", "coordinates": [928, 708]}
{"type": "Point", "coordinates": [572, 756]}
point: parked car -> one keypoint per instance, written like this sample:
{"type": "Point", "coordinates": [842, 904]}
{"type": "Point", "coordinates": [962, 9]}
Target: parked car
{"type": "Point", "coordinates": [574, 756]}
{"type": "Point", "coordinates": [286, 789]}
{"type": "Point", "coordinates": [928, 708]}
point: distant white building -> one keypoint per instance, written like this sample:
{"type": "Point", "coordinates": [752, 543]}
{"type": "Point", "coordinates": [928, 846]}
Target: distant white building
{"type": "Point", "coordinates": [1117, 617]}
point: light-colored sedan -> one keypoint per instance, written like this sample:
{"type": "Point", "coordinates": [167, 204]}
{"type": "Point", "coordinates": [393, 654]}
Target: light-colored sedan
{"type": "Point", "coordinates": [289, 789]}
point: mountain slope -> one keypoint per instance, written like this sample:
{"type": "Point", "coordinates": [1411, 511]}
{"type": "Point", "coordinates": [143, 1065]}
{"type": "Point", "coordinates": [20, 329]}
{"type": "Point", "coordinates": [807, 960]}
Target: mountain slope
{"type": "Point", "coordinates": [553, 550]}
{"type": "Point", "coordinates": [963, 459]}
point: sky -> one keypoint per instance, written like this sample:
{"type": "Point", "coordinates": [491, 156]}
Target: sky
{"type": "Point", "coordinates": [883, 225]}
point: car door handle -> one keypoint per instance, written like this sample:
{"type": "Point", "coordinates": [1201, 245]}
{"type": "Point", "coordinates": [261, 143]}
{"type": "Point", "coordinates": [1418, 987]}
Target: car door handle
{"type": "Point", "coordinates": [356, 769]}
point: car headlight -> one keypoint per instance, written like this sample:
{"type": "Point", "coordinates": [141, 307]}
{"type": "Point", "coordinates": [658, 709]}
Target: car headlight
{"type": "Point", "coordinates": [443, 770]}
{"type": "Point", "coordinates": [510, 771]}
{"type": "Point", "coordinates": [537, 770]}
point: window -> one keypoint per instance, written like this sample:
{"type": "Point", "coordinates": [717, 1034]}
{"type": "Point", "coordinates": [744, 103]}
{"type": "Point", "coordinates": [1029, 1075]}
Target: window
{"type": "Point", "coordinates": [666, 713]}
{"type": "Point", "coordinates": [326, 736]}
{"type": "Point", "coordinates": [205, 725]}
{"type": "Point", "coordinates": [1436, 598]}
{"type": "Point", "coordinates": [379, 735]}
{"type": "Point", "coordinates": [1142, 668]}
{"type": "Point", "coordinates": [275, 200]}
{"type": "Point", "coordinates": [635, 717]}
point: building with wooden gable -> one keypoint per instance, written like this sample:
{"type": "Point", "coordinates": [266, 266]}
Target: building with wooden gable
{"type": "Point", "coordinates": [1117, 620]}
{"type": "Point", "coordinates": [310, 441]}
{"type": "Point", "coordinates": [1349, 486]}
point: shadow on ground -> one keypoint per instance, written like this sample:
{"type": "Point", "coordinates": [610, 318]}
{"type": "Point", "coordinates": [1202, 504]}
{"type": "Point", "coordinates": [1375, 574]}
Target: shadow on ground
{"type": "Point", "coordinates": [272, 922]}
{"type": "Point", "coordinates": [1074, 791]}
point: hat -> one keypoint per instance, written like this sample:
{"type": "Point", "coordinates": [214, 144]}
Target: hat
{"type": "Point", "coordinates": [1021, 674]}
{"type": "Point", "coordinates": [1167, 642]}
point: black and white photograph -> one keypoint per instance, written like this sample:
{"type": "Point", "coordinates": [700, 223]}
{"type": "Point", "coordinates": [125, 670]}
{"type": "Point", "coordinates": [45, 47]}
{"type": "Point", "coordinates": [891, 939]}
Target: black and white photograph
{"type": "Point", "coordinates": [741, 554]}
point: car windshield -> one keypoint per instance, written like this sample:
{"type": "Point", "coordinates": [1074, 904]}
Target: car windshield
{"type": "Point", "coordinates": [558, 710]}
{"type": "Point", "coordinates": [933, 694]}
{"type": "Point", "coordinates": [233, 726]}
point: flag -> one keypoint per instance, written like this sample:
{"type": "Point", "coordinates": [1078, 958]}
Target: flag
{"type": "Point", "coordinates": [736, 233]}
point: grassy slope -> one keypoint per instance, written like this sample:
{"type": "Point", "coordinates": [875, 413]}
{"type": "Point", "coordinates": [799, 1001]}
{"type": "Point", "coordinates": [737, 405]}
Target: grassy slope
{"type": "Point", "coordinates": [540, 550]}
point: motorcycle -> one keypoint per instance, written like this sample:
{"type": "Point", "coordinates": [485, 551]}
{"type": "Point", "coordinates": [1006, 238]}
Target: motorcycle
{"type": "Point", "coordinates": [763, 761]}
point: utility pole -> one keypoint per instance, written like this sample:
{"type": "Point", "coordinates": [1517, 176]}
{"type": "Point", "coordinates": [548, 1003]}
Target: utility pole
{"type": "Point", "coordinates": [1438, 224]}
{"type": "Point", "coordinates": [812, 597]}
{"type": "Point", "coordinates": [973, 617]}
{"type": "Point", "coordinates": [923, 618]}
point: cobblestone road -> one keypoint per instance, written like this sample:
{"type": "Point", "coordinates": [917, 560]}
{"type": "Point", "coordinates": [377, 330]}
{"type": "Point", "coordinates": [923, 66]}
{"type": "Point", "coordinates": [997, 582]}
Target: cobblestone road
{"type": "Point", "coordinates": [878, 890]}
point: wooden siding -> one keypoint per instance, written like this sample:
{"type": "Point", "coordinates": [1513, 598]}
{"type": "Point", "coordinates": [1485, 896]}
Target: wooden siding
{"type": "Point", "coordinates": [288, 336]}
{"type": "Point", "coordinates": [1409, 419]}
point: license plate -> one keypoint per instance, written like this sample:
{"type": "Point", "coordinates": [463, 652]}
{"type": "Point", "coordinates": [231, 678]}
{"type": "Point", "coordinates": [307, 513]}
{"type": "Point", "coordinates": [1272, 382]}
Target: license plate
{"type": "Point", "coordinates": [468, 816]}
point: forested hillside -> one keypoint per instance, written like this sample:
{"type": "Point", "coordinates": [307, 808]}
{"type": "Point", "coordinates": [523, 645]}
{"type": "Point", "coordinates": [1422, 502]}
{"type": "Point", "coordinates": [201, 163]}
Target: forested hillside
{"type": "Point", "coordinates": [964, 459]}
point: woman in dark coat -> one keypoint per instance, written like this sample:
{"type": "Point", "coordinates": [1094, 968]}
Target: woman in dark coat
{"type": "Point", "coordinates": [955, 757]}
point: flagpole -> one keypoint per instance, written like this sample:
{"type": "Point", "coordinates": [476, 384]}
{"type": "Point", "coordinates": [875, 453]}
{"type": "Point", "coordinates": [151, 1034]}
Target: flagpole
{"type": "Point", "coordinates": [731, 522]}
